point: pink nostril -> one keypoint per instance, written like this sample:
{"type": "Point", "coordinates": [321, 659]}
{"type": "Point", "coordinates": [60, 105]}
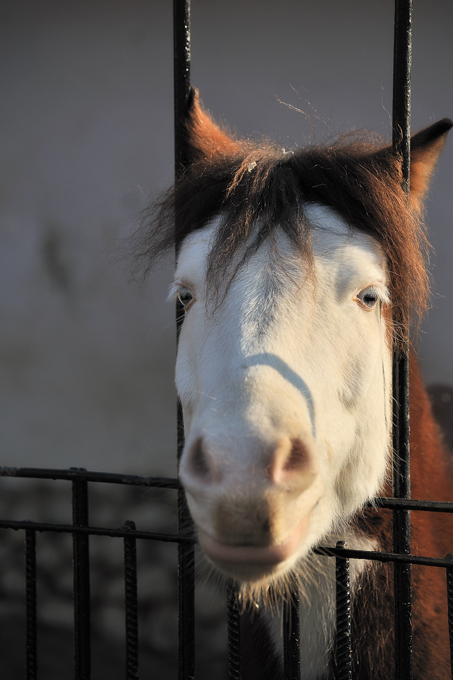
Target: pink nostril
{"type": "Point", "coordinates": [298, 456]}
{"type": "Point", "coordinates": [289, 460]}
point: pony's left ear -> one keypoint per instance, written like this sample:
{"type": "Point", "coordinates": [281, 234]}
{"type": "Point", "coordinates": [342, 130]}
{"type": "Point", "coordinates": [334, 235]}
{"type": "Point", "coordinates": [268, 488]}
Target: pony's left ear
{"type": "Point", "coordinates": [426, 147]}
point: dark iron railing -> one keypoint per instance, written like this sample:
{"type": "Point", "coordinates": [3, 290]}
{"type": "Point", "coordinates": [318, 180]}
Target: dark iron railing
{"type": "Point", "coordinates": [401, 504]}
{"type": "Point", "coordinates": [81, 530]}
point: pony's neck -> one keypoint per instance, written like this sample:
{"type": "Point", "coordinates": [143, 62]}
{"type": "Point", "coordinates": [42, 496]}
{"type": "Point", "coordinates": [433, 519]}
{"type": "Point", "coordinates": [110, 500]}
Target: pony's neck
{"type": "Point", "coordinates": [430, 460]}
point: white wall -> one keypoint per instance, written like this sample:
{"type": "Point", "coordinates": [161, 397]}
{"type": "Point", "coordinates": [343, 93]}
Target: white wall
{"type": "Point", "coordinates": [86, 137]}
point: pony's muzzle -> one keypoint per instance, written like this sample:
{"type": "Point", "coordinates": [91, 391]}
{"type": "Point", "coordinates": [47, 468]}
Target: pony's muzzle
{"type": "Point", "coordinates": [252, 507]}
{"type": "Point", "coordinates": [250, 562]}
{"type": "Point", "coordinates": [288, 464]}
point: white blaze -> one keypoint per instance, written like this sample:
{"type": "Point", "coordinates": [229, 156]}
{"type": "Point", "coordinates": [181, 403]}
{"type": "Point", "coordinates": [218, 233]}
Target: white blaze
{"type": "Point", "coordinates": [284, 357]}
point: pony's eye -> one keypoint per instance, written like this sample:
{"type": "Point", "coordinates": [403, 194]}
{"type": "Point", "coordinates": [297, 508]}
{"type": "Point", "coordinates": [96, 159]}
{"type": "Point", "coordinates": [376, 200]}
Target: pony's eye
{"type": "Point", "coordinates": [368, 297]}
{"type": "Point", "coordinates": [185, 296]}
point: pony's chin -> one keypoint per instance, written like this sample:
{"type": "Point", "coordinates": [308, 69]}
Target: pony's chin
{"type": "Point", "coordinates": [254, 563]}
{"type": "Point", "coordinates": [255, 574]}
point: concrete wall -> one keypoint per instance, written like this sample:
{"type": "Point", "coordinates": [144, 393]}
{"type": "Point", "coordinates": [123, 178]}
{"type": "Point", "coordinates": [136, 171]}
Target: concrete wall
{"type": "Point", "coordinates": [86, 357]}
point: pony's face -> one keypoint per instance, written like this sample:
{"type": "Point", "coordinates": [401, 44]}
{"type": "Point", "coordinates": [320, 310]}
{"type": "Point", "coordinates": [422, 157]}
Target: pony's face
{"type": "Point", "coordinates": [284, 378]}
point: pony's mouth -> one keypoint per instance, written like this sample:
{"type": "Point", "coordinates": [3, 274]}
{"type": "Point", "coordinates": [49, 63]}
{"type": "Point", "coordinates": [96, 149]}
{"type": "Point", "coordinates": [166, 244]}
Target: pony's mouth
{"type": "Point", "coordinates": [249, 562]}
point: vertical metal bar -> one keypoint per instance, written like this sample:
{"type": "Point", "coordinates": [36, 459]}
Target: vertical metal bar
{"type": "Point", "coordinates": [130, 589]}
{"type": "Point", "coordinates": [31, 665]}
{"type": "Point", "coordinates": [402, 61]}
{"type": "Point", "coordinates": [401, 423]}
{"type": "Point", "coordinates": [401, 518]}
{"type": "Point", "coordinates": [81, 560]}
{"type": "Point", "coordinates": [343, 591]}
{"type": "Point", "coordinates": [186, 556]}
{"type": "Point", "coordinates": [234, 633]}
{"type": "Point", "coordinates": [186, 621]}
{"type": "Point", "coordinates": [291, 639]}
{"type": "Point", "coordinates": [181, 75]}
{"type": "Point", "coordinates": [449, 571]}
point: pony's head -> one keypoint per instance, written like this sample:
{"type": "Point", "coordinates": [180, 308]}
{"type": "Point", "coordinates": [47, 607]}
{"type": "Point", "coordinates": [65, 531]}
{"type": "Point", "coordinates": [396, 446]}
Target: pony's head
{"type": "Point", "coordinates": [292, 269]}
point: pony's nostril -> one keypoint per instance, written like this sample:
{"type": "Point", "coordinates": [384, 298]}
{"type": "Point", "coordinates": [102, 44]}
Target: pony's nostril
{"type": "Point", "coordinates": [298, 456]}
{"type": "Point", "coordinates": [291, 462]}
{"type": "Point", "coordinates": [199, 460]}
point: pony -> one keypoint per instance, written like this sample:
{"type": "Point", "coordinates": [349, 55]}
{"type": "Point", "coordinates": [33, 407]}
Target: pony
{"type": "Point", "coordinates": [296, 274]}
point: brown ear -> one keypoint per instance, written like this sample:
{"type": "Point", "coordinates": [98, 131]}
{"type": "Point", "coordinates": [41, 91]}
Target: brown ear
{"type": "Point", "coordinates": [205, 138]}
{"type": "Point", "coordinates": [426, 147]}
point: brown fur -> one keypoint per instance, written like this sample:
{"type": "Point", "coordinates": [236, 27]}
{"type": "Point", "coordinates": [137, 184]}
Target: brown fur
{"type": "Point", "coordinates": [431, 535]}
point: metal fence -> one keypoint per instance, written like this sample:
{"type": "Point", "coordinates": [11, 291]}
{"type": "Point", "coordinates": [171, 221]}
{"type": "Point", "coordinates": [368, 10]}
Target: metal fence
{"type": "Point", "coordinates": [401, 504]}
{"type": "Point", "coordinates": [80, 529]}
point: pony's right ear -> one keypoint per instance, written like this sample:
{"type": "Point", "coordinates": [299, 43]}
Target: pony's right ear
{"type": "Point", "coordinates": [205, 139]}
{"type": "Point", "coordinates": [426, 147]}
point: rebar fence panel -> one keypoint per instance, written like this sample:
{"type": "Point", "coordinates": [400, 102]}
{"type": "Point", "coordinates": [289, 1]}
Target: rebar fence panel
{"type": "Point", "coordinates": [81, 530]}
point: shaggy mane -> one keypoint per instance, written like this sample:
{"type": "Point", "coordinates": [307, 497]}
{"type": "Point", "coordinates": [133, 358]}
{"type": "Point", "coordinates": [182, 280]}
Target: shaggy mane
{"type": "Point", "coordinates": [258, 188]}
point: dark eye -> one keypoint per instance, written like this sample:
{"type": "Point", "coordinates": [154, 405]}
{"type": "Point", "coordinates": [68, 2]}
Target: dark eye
{"type": "Point", "coordinates": [185, 296]}
{"type": "Point", "coordinates": [368, 297]}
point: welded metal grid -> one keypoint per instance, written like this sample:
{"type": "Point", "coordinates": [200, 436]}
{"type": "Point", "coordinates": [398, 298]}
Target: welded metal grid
{"type": "Point", "coordinates": [401, 504]}
{"type": "Point", "coordinates": [81, 530]}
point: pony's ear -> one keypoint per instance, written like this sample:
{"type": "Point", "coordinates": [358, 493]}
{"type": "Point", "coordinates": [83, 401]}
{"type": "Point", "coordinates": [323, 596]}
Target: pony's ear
{"type": "Point", "coordinates": [426, 147]}
{"type": "Point", "coordinates": [205, 138]}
